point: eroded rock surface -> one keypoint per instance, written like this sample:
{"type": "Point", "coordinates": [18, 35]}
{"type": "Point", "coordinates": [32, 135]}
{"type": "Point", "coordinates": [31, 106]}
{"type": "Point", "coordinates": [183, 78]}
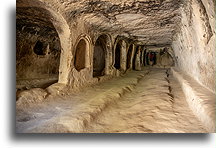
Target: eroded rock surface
{"type": "Point", "coordinates": [146, 101]}
{"type": "Point", "coordinates": [82, 43]}
{"type": "Point", "coordinates": [30, 97]}
{"type": "Point", "coordinates": [156, 105]}
{"type": "Point", "coordinates": [148, 21]}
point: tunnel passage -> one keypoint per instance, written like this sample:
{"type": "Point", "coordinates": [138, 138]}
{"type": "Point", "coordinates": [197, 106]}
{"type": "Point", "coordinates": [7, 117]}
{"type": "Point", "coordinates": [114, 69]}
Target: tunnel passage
{"type": "Point", "coordinates": [159, 56]}
{"type": "Point", "coordinates": [80, 55]}
{"type": "Point", "coordinates": [117, 64]}
{"type": "Point", "coordinates": [129, 56]}
{"type": "Point", "coordinates": [99, 56]}
{"type": "Point", "coordinates": [38, 48]}
{"type": "Point", "coordinates": [151, 57]}
{"type": "Point", "coordinates": [187, 26]}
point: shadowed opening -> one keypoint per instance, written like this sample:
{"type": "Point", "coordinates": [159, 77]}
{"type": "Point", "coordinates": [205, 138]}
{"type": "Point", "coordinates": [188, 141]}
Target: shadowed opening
{"type": "Point", "coordinates": [118, 56]}
{"type": "Point", "coordinates": [80, 55]}
{"type": "Point", "coordinates": [99, 56]}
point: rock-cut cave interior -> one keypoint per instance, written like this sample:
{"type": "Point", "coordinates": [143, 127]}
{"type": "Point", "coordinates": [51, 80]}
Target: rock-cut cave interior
{"type": "Point", "coordinates": [115, 66]}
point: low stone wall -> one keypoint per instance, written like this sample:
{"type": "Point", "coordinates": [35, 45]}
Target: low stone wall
{"type": "Point", "coordinates": [200, 100]}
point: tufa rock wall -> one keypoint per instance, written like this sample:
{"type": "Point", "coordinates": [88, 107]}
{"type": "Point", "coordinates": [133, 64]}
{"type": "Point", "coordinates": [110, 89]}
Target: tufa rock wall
{"type": "Point", "coordinates": [194, 45]}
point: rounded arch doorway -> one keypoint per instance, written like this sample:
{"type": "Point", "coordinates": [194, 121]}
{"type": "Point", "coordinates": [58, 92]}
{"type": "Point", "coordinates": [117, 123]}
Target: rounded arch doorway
{"type": "Point", "coordinates": [129, 57]}
{"type": "Point", "coordinates": [100, 58]}
{"type": "Point", "coordinates": [81, 55]}
{"type": "Point", "coordinates": [117, 64]}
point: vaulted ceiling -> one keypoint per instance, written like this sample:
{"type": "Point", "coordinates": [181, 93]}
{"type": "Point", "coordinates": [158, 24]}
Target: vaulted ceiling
{"type": "Point", "coordinates": [149, 21]}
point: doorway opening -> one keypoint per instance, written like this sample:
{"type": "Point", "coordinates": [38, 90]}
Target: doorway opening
{"type": "Point", "coordinates": [117, 64]}
{"type": "Point", "coordinates": [99, 56]}
{"type": "Point", "coordinates": [129, 56]}
{"type": "Point", "coordinates": [80, 55]}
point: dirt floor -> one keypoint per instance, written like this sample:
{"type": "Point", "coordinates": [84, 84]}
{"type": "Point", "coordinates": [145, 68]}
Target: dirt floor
{"type": "Point", "coordinates": [147, 101]}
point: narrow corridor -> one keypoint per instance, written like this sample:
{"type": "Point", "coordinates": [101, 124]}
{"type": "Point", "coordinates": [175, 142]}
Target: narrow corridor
{"type": "Point", "coordinates": [157, 105]}
{"type": "Point", "coordinates": [115, 66]}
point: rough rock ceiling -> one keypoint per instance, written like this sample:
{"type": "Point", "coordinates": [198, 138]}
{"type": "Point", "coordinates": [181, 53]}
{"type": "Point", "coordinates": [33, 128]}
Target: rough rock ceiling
{"type": "Point", "coordinates": [35, 21]}
{"type": "Point", "coordinates": [152, 22]}
{"type": "Point", "coordinates": [149, 21]}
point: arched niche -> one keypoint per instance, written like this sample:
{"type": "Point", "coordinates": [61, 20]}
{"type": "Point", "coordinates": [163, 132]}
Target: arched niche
{"type": "Point", "coordinates": [120, 55]}
{"type": "Point", "coordinates": [61, 27]}
{"type": "Point", "coordinates": [102, 56]}
{"type": "Point", "coordinates": [130, 56]}
{"type": "Point", "coordinates": [81, 55]}
{"type": "Point", "coordinates": [136, 57]}
{"type": "Point", "coordinates": [144, 57]}
{"type": "Point", "coordinates": [117, 64]}
{"type": "Point", "coordinates": [38, 47]}
{"type": "Point", "coordinates": [141, 56]}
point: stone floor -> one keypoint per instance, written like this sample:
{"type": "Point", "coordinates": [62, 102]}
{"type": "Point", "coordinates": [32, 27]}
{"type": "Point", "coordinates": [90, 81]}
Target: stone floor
{"type": "Point", "coordinates": [23, 84]}
{"type": "Point", "coordinates": [147, 101]}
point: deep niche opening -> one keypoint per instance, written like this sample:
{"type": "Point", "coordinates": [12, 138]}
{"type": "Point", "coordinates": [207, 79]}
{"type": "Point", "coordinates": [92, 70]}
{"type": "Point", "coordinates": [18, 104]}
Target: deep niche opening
{"type": "Point", "coordinates": [134, 58]}
{"type": "Point", "coordinates": [39, 48]}
{"type": "Point", "coordinates": [117, 64]}
{"type": "Point", "coordinates": [129, 56]}
{"type": "Point", "coordinates": [80, 55]}
{"type": "Point", "coordinates": [99, 56]}
{"type": "Point", "coordinates": [36, 35]}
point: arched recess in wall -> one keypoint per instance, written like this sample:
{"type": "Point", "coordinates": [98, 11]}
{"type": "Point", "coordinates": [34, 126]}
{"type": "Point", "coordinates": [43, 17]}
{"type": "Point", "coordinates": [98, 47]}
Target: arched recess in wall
{"type": "Point", "coordinates": [38, 47]}
{"type": "Point", "coordinates": [118, 47]}
{"type": "Point", "coordinates": [135, 56]}
{"type": "Point", "coordinates": [144, 57]}
{"type": "Point", "coordinates": [59, 24]}
{"type": "Point", "coordinates": [81, 55]}
{"type": "Point", "coordinates": [102, 55]}
{"type": "Point", "coordinates": [129, 56]}
{"type": "Point", "coordinates": [141, 56]}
